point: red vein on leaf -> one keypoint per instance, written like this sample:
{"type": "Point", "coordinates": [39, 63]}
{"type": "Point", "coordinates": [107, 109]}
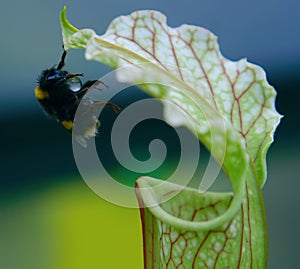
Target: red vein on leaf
{"type": "Point", "coordinates": [142, 48]}
{"type": "Point", "coordinates": [238, 73]}
{"type": "Point", "coordinates": [176, 58]}
{"type": "Point", "coordinates": [267, 134]}
{"type": "Point", "coordinates": [171, 249]}
{"type": "Point", "coordinates": [260, 115]}
{"type": "Point", "coordinates": [173, 49]}
{"type": "Point", "coordinates": [236, 100]}
{"type": "Point", "coordinates": [254, 121]}
{"type": "Point", "coordinates": [249, 226]}
{"type": "Point", "coordinates": [224, 244]}
{"type": "Point", "coordinates": [190, 45]}
{"type": "Point", "coordinates": [210, 206]}
{"type": "Point", "coordinates": [247, 89]}
{"type": "Point", "coordinates": [184, 249]}
{"type": "Point", "coordinates": [242, 237]}
{"type": "Point", "coordinates": [164, 234]}
{"type": "Point", "coordinates": [199, 248]}
{"type": "Point", "coordinates": [152, 242]}
{"type": "Point", "coordinates": [153, 32]}
{"type": "Point", "coordinates": [133, 29]}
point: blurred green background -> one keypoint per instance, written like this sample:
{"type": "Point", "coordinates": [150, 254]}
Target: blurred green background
{"type": "Point", "coordinates": [49, 218]}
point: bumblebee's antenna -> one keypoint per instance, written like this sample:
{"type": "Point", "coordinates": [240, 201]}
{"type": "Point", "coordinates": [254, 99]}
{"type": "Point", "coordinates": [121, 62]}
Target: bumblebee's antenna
{"type": "Point", "coordinates": [62, 60]}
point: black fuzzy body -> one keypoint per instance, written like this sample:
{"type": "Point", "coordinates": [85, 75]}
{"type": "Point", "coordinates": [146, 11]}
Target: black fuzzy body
{"type": "Point", "coordinates": [60, 93]}
{"type": "Point", "coordinates": [61, 101]}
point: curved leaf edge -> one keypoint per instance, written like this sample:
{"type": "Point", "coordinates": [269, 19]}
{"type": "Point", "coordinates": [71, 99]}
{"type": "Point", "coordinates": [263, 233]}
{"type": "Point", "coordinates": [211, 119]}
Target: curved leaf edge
{"type": "Point", "coordinates": [145, 186]}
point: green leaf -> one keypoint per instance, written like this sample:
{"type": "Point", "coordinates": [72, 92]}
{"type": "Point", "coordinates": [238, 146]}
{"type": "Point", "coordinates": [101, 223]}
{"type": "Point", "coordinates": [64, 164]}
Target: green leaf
{"type": "Point", "coordinates": [192, 249]}
{"type": "Point", "coordinates": [228, 105]}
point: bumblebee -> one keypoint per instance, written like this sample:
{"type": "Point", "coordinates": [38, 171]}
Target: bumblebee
{"type": "Point", "coordinates": [59, 93]}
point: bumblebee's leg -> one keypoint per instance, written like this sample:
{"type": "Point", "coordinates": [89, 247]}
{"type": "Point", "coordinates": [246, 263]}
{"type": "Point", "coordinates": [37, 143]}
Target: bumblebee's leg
{"type": "Point", "coordinates": [99, 82]}
{"type": "Point", "coordinates": [62, 60]}
{"type": "Point", "coordinates": [73, 75]}
{"type": "Point", "coordinates": [104, 103]}
{"type": "Point", "coordinates": [88, 86]}
{"type": "Point", "coordinates": [93, 84]}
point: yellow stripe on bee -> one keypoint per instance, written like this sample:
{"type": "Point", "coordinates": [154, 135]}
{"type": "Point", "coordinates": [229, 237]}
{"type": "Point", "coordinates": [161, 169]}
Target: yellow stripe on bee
{"type": "Point", "coordinates": [41, 94]}
{"type": "Point", "coordinates": [68, 124]}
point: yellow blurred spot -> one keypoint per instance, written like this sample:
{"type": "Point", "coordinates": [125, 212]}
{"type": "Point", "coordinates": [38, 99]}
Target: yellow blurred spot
{"type": "Point", "coordinates": [68, 124]}
{"type": "Point", "coordinates": [67, 226]}
{"type": "Point", "coordinates": [90, 232]}
{"type": "Point", "coordinates": [41, 94]}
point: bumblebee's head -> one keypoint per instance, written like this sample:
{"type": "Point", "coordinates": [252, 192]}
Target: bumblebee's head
{"type": "Point", "coordinates": [55, 74]}
{"type": "Point", "coordinates": [51, 80]}
{"type": "Point", "coordinates": [57, 79]}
